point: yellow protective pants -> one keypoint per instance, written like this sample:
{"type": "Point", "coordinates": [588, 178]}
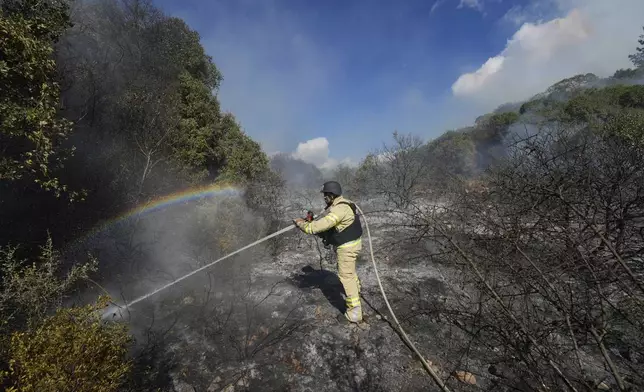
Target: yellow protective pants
{"type": "Point", "coordinates": [347, 254]}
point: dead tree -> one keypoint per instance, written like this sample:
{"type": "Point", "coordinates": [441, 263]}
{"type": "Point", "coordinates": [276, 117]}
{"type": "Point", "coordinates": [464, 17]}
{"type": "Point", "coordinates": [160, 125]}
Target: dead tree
{"type": "Point", "coordinates": [551, 253]}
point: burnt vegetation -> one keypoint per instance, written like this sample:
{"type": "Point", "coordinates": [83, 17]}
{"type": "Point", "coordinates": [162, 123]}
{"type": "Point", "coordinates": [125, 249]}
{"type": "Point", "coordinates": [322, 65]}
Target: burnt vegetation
{"type": "Point", "coordinates": [512, 249]}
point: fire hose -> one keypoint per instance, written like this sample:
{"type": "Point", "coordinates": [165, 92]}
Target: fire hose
{"type": "Point", "coordinates": [309, 217]}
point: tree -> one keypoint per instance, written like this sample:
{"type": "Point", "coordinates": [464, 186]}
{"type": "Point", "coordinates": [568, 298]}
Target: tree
{"type": "Point", "coordinates": [345, 175]}
{"type": "Point", "coordinates": [451, 155]}
{"type": "Point", "coordinates": [638, 57]}
{"type": "Point", "coordinates": [396, 171]}
{"type": "Point", "coordinates": [241, 158]}
{"type": "Point", "coordinates": [552, 246]}
{"type": "Point", "coordinates": [295, 172]}
{"type": "Point", "coordinates": [31, 132]}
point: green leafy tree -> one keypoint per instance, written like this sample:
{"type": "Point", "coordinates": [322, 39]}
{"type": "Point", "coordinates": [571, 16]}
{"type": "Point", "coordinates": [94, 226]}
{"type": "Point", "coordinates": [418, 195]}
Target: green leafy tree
{"type": "Point", "coordinates": [243, 159]}
{"type": "Point", "coordinates": [452, 155]}
{"type": "Point", "coordinates": [595, 106]}
{"type": "Point", "coordinates": [194, 143]}
{"type": "Point", "coordinates": [638, 57]}
{"type": "Point", "coordinates": [628, 73]}
{"type": "Point", "coordinates": [31, 132]}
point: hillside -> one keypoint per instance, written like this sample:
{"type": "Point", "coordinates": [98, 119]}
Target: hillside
{"type": "Point", "coordinates": [511, 250]}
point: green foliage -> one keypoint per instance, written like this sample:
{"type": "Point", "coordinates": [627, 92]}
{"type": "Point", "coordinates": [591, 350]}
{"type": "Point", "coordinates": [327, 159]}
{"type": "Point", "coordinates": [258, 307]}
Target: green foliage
{"type": "Point", "coordinates": [638, 57]}
{"type": "Point", "coordinates": [295, 172]}
{"type": "Point", "coordinates": [569, 87]}
{"type": "Point", "coordinates": [193, 146]}
{"type": "Point", "coordinates": [243, 158]}
{"type": "Point", "coordinates": [628, 124]}
{"type": "Point", "coordinates": [628, 73]}
{"type": "Point", "coordinates": [175, 49]}
{"type": "Point", "coordinates": [452, 154]}
{"type": "Point", "coordinates": [30, 131]}
{"type": "Point", "coordinates": [48, 18]}
{"type": "Point", "coordinates": [70, 351]}
{"type": "Point", "coordinates": [29, 291]}
{"type": "Point", "coordinates": [494, 127]}
{"type": "Point", "coordinates": [595, 106]}
{"type": "Point", "coordinates": [143, 81]}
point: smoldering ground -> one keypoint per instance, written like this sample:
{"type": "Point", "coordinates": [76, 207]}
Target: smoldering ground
{"type": "Point", "coordinates": [253, 322]}
{"type": "Point", "coordinates": [145, 252]}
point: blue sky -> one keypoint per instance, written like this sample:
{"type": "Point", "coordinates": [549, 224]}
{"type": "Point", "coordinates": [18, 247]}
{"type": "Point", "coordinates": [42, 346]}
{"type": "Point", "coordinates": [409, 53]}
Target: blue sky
{"type": "Point", "coordinates": [331, 80]}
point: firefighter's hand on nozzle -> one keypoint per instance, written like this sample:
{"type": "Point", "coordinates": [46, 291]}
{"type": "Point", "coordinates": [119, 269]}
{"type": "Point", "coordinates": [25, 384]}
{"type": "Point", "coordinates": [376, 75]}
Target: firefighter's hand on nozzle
{"type": "Point", "coordinates": [298, 221]}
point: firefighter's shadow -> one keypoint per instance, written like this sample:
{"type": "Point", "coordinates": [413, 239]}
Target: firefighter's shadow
{"type": "Point", "coordinates": [327, 281]}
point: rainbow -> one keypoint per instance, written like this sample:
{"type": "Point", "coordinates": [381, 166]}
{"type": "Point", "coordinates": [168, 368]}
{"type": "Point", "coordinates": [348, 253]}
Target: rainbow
{"type": "Point", "coordinates": [187, 195]}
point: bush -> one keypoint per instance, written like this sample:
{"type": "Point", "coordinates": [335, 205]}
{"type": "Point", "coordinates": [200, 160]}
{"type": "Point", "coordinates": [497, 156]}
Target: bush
{"type": "Point", "coordinates": [31, 133]}
{"type": "Point", "coordinates": [266, 196]}
{"type": "Point", "coordinates": [550, 251]}
{"type": "Point", "coordinates": [28, 292]}
{"type": "Point", "coordinates": [396, 172]}
{"type": "Point", "coordinates": [70, 351]}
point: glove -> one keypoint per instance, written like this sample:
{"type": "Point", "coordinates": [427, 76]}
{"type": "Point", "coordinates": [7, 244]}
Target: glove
{"type": "Point", "coordinates": [299, 222]}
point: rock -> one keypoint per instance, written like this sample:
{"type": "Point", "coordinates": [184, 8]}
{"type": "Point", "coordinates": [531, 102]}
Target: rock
{"type": "Point", "coordinates": [465, 377]}
{"type": "Point", "coordinates": [603, 386]}
{"type": "Point", "coordinates": [188, 300]}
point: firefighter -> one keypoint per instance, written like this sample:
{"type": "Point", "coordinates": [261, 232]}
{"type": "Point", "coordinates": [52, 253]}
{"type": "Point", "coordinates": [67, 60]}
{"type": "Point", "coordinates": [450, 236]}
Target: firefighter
{"type": "Point", "coordinates": [339, 226]}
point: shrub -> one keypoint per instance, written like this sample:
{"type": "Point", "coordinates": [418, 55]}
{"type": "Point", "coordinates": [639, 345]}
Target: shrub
{"type": "Point", "coordinates": [28, 292]}
{"type": "Point", "coordinates": [70, 351]}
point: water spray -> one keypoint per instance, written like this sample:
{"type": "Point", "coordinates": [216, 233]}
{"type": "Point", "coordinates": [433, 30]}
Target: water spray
{"type": "Point", "coordinates": [112, 310]}
{"type": "Point", "coordinates": [309, 217]}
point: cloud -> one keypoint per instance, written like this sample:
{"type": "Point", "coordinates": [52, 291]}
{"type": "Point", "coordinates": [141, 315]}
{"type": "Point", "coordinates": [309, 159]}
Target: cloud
{"type": "Point", "coordinates": [473, 4]}
{"type": "Point", "coordinates": [594, 36]}
{"type": "Point", "coordinates": [534, 11]}
{"type": "Point", "coordinates": [437, 4]}
{"type": "Point", "coordinates": [316, 151]}
{"type": "Point", "coordinates": [472, 82]}
{"type": "Point", "coordinates": [515, 16]}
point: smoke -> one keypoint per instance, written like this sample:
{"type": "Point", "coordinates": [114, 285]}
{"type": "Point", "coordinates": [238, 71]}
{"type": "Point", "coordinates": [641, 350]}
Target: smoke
{"type": "Point", "coordinates": [296, 172]}
{"type": "Point", "coordinates": [143, 253]}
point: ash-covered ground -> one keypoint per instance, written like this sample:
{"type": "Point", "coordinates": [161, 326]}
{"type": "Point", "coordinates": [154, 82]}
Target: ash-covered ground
{"type": "Point", "coordinates": [265, 320]}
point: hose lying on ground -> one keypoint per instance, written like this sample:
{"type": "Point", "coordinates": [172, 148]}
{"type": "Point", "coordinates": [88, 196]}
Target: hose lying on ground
{"type": "Point", "coordinates": [116, 308]}
{"type": "Point", "coordinates": [406, 339]}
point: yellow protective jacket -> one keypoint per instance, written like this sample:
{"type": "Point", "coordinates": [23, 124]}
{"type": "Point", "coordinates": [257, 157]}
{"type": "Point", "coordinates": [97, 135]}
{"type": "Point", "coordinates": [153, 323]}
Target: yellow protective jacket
{"type": "Point", "coordinates": [339, 216]}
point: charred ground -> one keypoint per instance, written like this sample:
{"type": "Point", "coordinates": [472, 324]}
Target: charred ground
{"type": "Point", "coordinates": [511, 250]}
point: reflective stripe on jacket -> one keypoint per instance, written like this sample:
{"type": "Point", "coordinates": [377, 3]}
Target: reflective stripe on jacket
{"type": "Point", "coordinates": [338, 215]}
